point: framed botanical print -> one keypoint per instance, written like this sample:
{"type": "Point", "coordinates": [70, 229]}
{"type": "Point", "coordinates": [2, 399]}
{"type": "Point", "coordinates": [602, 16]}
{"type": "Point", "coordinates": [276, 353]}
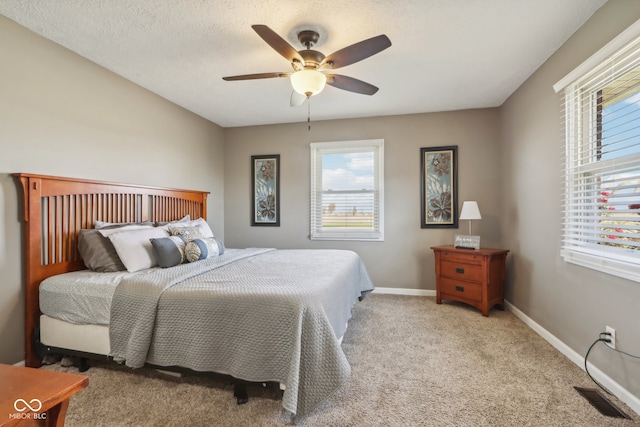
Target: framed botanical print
{"type": "Point", "coordinates": [439, 187]}
{"type": "Point", "coordinates": [265, 186]}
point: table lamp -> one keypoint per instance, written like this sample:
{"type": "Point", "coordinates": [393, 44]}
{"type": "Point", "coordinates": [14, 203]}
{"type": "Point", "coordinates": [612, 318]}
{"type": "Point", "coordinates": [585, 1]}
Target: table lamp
{"type": "Point", "coordinates": [470, 211]}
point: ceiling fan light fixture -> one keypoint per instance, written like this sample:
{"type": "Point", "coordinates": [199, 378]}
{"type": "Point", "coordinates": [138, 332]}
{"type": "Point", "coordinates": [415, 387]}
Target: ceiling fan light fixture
{"type": "Point", "coordinates": [308, 82]}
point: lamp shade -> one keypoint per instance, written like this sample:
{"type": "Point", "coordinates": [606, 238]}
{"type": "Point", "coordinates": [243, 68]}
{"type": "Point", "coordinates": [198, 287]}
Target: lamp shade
{"type": "Point", "coordinates": [308, 82]}
{"type": "Point", "coordinates": [470, 211]}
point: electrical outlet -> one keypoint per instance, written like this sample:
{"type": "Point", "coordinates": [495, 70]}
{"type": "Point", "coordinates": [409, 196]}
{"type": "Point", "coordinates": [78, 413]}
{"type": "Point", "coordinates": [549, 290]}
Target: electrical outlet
{"type": "Point", "coordinates": [612, 336]}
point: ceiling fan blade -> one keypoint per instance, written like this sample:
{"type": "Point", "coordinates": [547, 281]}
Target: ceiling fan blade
{"type": "Point", "coordinates": [256, 76]}
{"type": "Point", "coordinates": [279, 44]}
{"type": "Point", "coordinates": [297, 99]}
{"type": "Point", "coordinates": [356, 52]}
{"type": "Point", "coordinates": [351, 84]}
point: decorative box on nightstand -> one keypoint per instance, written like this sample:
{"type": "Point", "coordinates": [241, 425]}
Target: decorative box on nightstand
{"type": "Point", "coordinates": [472, 276]}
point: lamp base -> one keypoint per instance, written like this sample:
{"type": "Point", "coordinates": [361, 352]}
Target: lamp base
{"type": "Point", "coordinates": [466, 242]}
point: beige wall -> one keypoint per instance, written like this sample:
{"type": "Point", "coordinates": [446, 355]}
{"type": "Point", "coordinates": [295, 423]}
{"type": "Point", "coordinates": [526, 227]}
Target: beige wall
{"type": "Point", "coordinates": [572, 302]}
{"type": "Point", "coordinates": [404, 259]}
{"type": "Point", "coordinates": [63, 115]}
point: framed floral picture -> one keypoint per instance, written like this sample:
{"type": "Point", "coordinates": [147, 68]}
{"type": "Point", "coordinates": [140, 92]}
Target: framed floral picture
{"type": "Point", "coordinates": [265, 186]}
{"type": "Point", "coordinates": [439, 187]}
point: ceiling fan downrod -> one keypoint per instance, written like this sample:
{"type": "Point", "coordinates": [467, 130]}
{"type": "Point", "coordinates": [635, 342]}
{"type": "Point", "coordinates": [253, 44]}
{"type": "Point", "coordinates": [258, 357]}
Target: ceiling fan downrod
{"type": "Point", "coordinates": [312, 58]}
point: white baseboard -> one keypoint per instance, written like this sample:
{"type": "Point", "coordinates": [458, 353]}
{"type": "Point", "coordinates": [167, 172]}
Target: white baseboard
{"type": "Point", "coordinates": [405, 291]}
{"type": "Point", "coordinates": [615, 388]}
{"type": "Point", "coordinates": [21, 363]}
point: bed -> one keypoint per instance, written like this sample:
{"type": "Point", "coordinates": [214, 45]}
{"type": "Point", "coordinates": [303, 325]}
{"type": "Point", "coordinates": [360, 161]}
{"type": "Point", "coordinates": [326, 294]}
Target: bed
{"type": "Point", "coordinates": [256, 314]}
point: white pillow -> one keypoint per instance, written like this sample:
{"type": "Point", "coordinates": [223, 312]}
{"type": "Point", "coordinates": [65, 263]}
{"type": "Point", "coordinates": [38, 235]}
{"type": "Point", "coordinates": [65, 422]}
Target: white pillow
{"type": "Point", "coordinates": [122, 229]}
{"type": "Point", "coordinates": [134, 247]}
{"type": "Point", "coordinates": [185, 218]}
{"type": "Point", "coordinates": [103, 224]}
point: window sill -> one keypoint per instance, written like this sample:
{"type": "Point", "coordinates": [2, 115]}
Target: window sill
{"type": "Point", "coordinates": [602, 262]}
{"type": "Point", "coordinates": [345, 236]}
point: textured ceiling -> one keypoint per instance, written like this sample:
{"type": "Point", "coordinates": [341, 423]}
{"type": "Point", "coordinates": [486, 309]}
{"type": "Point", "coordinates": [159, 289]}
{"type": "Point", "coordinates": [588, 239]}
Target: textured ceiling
{"type": "Point", "coordinates": [446, 54]}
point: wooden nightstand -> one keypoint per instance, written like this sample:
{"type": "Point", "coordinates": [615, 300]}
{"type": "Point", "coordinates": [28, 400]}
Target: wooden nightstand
{"type": "Point", "coordinates": [475, 277]}
{"type": "Point", "coordinates": [30, 396]}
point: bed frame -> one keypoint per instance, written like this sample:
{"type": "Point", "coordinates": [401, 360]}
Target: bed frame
{"type": "Point", "coordinates": [54, 210]}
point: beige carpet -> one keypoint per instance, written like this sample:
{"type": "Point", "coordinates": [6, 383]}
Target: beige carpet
{"type": "Point", "coordinates": [415, 363]}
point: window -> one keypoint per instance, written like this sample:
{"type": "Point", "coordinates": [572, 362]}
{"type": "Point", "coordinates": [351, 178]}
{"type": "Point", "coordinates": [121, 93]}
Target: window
{"type": "Point", "coordinates": [347, 190]}
{"type": "Point", "coordinates": [601, 227]}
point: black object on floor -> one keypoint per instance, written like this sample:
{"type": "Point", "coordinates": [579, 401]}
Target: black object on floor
{"type": "Point", "coordinates": [601, 403]}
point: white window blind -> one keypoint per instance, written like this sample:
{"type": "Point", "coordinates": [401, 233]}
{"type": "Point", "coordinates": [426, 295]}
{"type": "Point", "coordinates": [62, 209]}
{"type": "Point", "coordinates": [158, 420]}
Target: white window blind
{"type": "Point", "coordinates": [347, 190]}
{"type": "Point", "coordinates": [601, 158]}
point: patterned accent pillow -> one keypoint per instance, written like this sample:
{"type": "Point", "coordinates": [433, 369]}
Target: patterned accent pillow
{"type": "Point", "coordinates": [198, 249]}
{"type": "Point", "coordinates": [169, 251]}
{"type": "Point", "coordinates": [186, 233]}
{"type": "Point", "coordinates": [199, 223]}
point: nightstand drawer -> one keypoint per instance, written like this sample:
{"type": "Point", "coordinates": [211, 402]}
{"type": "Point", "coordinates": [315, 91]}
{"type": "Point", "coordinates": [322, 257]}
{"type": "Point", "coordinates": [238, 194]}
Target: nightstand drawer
{"type": "Point", "coordinates": [472, 291]}
{"type": "Point", "coordinates": [467, 256]}
{"type": "Point", "coordinates": [463, 271]}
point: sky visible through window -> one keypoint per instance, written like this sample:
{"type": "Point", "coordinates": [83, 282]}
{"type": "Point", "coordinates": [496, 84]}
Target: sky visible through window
{"type": "Point", "coordinates": [620, 122]}
{"type": "Point", "coordinates": [620, 138]}
{"type": "Point", "coordinates": [344, 177]}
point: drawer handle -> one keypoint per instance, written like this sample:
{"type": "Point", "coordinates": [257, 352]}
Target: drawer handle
{"type": "Point", "coordinates": [460, 288]}
{"type": "Point", "coordinates": [460, 270]}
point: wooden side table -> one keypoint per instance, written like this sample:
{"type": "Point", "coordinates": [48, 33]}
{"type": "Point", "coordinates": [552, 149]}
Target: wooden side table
{"type": "Point", "coordinates": [30, 396]}
{"type": "Point", "coordinates": [475, 277]}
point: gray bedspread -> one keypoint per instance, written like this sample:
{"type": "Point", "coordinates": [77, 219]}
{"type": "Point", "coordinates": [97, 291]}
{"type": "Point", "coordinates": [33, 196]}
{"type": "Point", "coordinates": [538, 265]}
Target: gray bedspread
{"type": "Point", "coordinates": [256, 314]}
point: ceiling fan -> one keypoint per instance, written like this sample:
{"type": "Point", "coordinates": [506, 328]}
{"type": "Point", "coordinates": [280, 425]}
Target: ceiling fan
{"type": "Point", "coordinates": [307, 77]}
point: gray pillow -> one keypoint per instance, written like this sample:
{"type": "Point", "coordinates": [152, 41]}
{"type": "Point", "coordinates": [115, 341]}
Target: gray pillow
{"type": "Point", "coordinates": [98, 252]}
{"type": "Point", "coordinates": [169, 251]}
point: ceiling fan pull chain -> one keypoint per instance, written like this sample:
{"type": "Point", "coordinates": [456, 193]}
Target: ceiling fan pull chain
{"type": "Point", "coordinates": [308, 113]}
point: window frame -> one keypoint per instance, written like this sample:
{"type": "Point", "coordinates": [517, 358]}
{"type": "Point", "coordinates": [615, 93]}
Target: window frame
{"type": "Point", "coordinates": [581, 172]}
{"type": "Point", "coordinates": [315, 218]}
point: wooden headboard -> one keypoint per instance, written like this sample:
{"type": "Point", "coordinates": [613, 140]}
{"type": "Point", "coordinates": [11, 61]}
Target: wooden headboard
{"type": "Point", "coordinates": [56, 208]}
